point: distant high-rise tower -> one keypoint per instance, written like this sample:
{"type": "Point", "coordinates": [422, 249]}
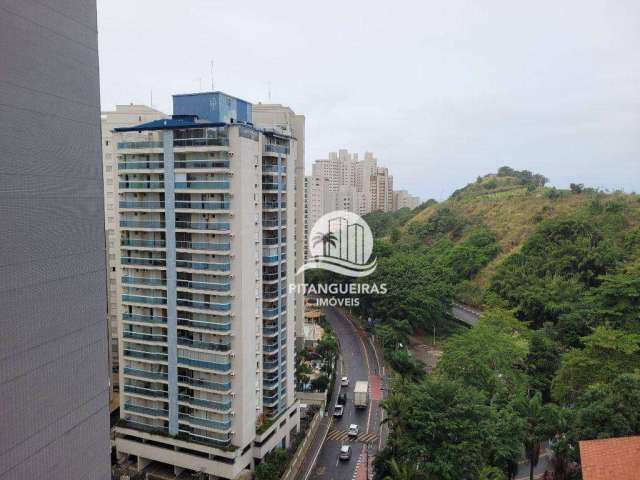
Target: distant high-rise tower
{"type": "Point", "coordinates": [207, 222]}
{"type": "Point", "coordinates": [54, 421]}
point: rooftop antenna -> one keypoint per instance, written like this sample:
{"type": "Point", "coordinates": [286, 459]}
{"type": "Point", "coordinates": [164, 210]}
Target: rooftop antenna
{"type": "Point", "coordinates": [213, 88]}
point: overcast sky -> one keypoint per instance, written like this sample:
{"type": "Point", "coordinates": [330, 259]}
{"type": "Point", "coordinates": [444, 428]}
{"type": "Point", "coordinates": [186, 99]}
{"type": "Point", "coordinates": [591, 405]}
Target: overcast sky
{"type": "Point", "coordinates": [440, 91]}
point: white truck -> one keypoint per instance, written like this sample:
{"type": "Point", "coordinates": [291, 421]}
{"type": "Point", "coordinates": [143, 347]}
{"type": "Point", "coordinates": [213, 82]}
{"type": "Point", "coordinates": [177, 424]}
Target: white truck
{"type": "Point", "coordinates": [361, 394]}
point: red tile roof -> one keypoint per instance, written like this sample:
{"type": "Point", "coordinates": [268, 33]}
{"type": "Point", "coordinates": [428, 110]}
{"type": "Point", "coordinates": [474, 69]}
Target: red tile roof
{"type": "Point", "coordinates": [611, 459]}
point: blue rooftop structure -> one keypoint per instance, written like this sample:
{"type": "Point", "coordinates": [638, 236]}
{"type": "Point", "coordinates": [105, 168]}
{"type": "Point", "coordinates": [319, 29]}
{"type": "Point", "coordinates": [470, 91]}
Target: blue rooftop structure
{"type": "Point", "coordinates": [215, 107]}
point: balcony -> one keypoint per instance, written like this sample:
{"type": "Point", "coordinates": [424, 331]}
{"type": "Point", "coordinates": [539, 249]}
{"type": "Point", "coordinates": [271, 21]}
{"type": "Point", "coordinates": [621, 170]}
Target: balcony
{"type": "Point", "coordinates": [144, 281]}
{"type": "Point", "coordinates": [145, 144]}
{"type": "Point", "coordinates": [277, 149]}
{"type": "Point", "coordinates": [201, 142]}
{"type": "Point", "coordinates": [218, 267]}
{"type": "Point", "coordinates": [154, 412]}
{"type": "Point", "coordinates": [129, 242]}
{"type": "Point", "coordinates": [201, 164]}
{"type": "Point", "coordinates": [205, 440]}
{"type": "Point", "coordinates": [147, 337]}
{"type": "Point", "coordinates": [137, 185]}
{"type": "Point", "coordinates": [203, 422]}
{"type": "Point", "coordinates": [156, 165]}
{"type": "Point", "coordinates": [270, 277]}
{"type": "Point", "coordinates": [204, 185]}
{"type": "Point", "coordinates": [212, 404]}
{"type": "Point", "coordinates": [273, 205]}
{"type": "Point", "coordinates": [219, 366]}
{"type": "Point", "coordinates": [274, 186]}
{"type": "Point", "coordinates": [206, 384]}
{"type": "Point", "coordinates": [205, 325]}
{"type": "Point", "coordinates": [216, 226]}
{"type": "Point", "coordinates": [198, 205]}
{"type": "Point", "coordinates": [152, 262]}
{"type": "Point", "coordinates": [144, 318]}
{"type": "Point", "coordinates": [156, 356]}
{"type": "Point", "coordinates": [274, 169]}
{"type": "Point", "coordinates": [142, 205]}
{"type": "Point", "coordinates": [141, 224]}
{"type": "Point", "coordinates": [145, 373]}
{"type": "Point", "coordinates": [218, 347]}
{"type": "Point", "coordinates": [217, 246]}
{"type": "Point", "coordinates": [216, 287]}
{"type": "Point", "coordinates": [220, 307]}
{"type": "Point", "coordinates": [145, 391]}
{"type": "Point", "coordinates": [144, 299]}
{"type": "Point", "coordinates": [270, 365]}
{"type": "Point", "coordinates": [274, 223]}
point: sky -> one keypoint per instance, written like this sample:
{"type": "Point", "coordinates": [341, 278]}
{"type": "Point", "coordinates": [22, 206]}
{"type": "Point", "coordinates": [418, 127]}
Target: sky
{"type": "Point", "coordinates": [439, 91]}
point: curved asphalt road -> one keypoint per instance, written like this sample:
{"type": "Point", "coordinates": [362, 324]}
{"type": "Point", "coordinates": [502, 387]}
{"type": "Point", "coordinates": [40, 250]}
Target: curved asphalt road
{"type": "Point", "coordinates": [360, 361]}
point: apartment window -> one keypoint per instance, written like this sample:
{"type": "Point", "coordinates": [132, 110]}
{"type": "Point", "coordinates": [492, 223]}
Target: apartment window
{"type": "Point", "coordinates": [106, 143]}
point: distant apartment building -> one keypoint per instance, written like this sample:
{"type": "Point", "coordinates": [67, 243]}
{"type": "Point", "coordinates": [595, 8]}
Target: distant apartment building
{"type": "Point", "coordinates": [54, 375]}
{"type": "Point", "coordinates": [343, 181]}
{"type": "Point", "coordinates": [403, 199]}
{"type": "Point", "coordinates": [122, 116]}
{"type": "Point", "coordinates": [208, 227]}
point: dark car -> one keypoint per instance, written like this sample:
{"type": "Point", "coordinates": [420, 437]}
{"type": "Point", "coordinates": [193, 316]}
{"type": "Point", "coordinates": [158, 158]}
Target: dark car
{"type": "Point", "coordinates": [342, 398]}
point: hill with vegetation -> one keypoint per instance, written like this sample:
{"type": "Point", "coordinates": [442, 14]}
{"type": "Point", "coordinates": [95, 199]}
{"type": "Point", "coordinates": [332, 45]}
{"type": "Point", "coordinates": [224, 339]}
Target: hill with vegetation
{"type": "Point", "coordinates": [556, 354]}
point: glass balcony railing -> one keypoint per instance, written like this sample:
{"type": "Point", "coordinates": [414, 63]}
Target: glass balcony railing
{"type": "Point", "coordinates": [219, 246]}
{"type": "Point", "coordinates": [157, 356]}
{"type": "Point", "coordinates": [149, 337]}
{"type": "Point", "coordinates": [220, 307]}
{"type": "Point", "coordinates": [219, 366]}
{"type": "Point", "coordinates": [141, 204]}
{"type": "Point", "coordinates": [219, 347]}
{"type": "Point", "coordinates": [154, 412]}
{"type": "Point", "coordinates": [145, 391]}
{"type": "Point", "coordinates": [155, 184]}
{"type": "Point", "coordinates": [270, 365]}
{"type": "Point", "coordinates": [144, 299]}
{"type": "Point", "coordinates": [270, 348]}
{"type": "Point", "coordinates": [143, 281]}
{"type": "Point", "coordinates": [204, 185]}
{"type": "Point", "coordinates": [196, 205]}
{"type": "Point", "coordinates": [281, 149]}
{"type": "Point", "coordinates": [204, 422]}
{"type": "Point", "coordinates": [218, 226]}
{"type": "Point", "coordinates": [141, 224]}
{"type": "Point", "coordinates": [274, 168]}
{"type": "Point", "coordinates": [144, 318]}
{"type": "Point", "coordinates": [270, 277]}
{"type": "Point", "coordinates": [201, 142]}
{"type": "Point", "coordinates": [271, 241]}
{"type": "Point", "coordinates": [201, 402]}
{"type": "Point", "coordinates": [205, 439]}
{"type": "Point", "coordinates": [271, 259]}
{"type": "Point", "coordinates": [216, 287]}
{"type": "Point", "coordinates": [140, 165]}
{"type": "Point", "coordinates": [219, 266]}
{"type": "Point", "coordinates": [274, 186]}
{"type": "Point", "coordinates": [130, 242]}
{"type": "Point", "coordinates": [145, 144]}
{"type": "Point", "coordinates": [201, 164]}
{"type": "Point", "coordinates": [145, 373]}
{"type": "Point", "coordinates": [204, 325]}
{"type": "Point", "coordinates": [206, 384]}
{"type": "Point", "coordinates": [154, 262]}
{"type": "Point", "coordinates": [269, 312]}
{"type": "Point", "coordinates": [273, 205]}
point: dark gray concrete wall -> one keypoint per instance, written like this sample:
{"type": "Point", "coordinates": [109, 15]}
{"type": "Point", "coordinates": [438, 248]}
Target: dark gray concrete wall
{"type": "Point", "coordinates": [54, 421]}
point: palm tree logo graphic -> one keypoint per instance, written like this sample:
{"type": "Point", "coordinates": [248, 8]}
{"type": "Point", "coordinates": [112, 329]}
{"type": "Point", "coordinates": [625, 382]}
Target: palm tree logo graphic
{"type": "Point", "coordinates": [341, 242]}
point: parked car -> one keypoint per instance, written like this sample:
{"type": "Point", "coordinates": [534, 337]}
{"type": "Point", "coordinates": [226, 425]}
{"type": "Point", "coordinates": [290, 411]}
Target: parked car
{"type": "Point", "coordinates": [353, 430]}
{"type": "Point", "coordinates": [338, 411]}
{"type": "Point", "coordinates": [344, 382]}
{"type": "Point", "coordinates": [345, 452]}
{"type": "Point", "coordinates": [342, 398]}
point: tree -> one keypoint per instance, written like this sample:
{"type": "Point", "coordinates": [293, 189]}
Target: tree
{"type": "Point", "coordinates": [401, 472]}
{"type": "Point", "coordinates": [542, 363]}
{"type": "Point", "coordinates": [606, 354]}
{"type": "Point", "coordinates": [327, 239]}
{"type": "Point", "coordinates": [539, 423]}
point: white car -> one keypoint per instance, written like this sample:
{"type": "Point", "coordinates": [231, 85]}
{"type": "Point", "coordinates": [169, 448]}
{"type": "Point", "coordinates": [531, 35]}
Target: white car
{"type": "Point", "coordinates": [338, 410]}
{"type": "Point", "coordinates": [345, 452]}
{"type": "Point", "coordinates": [353, 430]}
{"type": "Point", "coordinates": [344, 382]}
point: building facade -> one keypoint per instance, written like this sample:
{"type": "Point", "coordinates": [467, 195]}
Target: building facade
{"type": "Point", "coordinates": [54, 375]}
{"type": "Point", "coordinates": [122, 116]}
{"type": "Point", "coordinates": [207, 325]}
{"type": "Point", "coordinates": [403, 199]}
